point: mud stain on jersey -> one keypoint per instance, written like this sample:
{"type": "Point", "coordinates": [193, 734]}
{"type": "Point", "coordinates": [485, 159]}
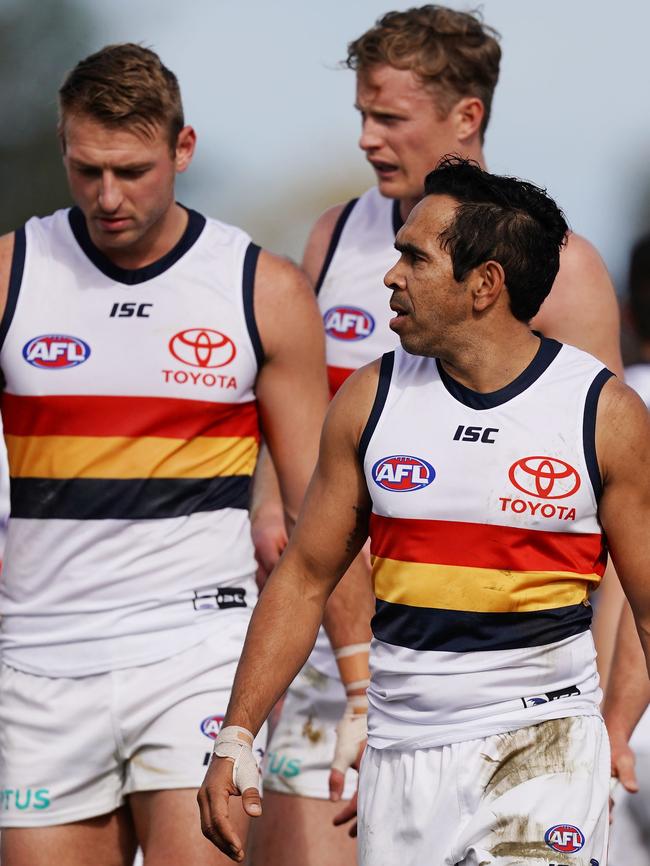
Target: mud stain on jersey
{"type": "Point", "coordinates": [314, 735]}
{"type": "Point", "coordinates": [525, 754]}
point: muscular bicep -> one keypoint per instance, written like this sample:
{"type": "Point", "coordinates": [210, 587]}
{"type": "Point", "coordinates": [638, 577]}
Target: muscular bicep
{"type": "Point", "coordinates": [582, 308]}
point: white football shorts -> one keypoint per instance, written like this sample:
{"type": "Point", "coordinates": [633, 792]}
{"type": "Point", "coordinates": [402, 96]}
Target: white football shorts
{"type": "Point", "coordinates": [75, 748]}
{"type": "Point", "coordinates": [537, 796]}
{"type": "Point", "coordinates": [301, 748]}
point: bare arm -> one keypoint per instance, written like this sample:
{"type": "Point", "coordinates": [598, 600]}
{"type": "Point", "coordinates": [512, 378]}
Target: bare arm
{"type": "Point", "coordinates": [623, 446]}
{"type": "Point", "coordinates": [627, 697]}
{"type": "Point", "coordinates": [6, 256]}
{"type": "Point", "coordinates": [330, 533]}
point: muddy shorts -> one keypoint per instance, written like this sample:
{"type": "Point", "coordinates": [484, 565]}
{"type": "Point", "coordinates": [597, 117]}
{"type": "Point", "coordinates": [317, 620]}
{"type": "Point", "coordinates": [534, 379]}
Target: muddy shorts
{"type": "Point", "coordinates": [301, 748]}
{"type": "Point", "coordinates": [533, 797]}
{"type": "Point", "coordinates": [75, 748]}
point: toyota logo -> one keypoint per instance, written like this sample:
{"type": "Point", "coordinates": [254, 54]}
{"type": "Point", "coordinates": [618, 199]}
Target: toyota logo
{"type": "Point", "coordinates": [202, 347]}
{"type": "Point", "coordinates": [544, 477]}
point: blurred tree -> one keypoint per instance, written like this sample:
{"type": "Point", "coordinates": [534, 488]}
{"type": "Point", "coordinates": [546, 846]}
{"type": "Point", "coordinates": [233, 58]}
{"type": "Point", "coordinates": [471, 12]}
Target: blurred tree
{"type": "Point", "coordinates": [39, 41]}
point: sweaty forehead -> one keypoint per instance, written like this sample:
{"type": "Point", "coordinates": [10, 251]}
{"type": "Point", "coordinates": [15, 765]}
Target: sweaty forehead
{"type": "Point", "coordinates": [84, 136]}
{"type": "Point", "coordinates": [430, 217]}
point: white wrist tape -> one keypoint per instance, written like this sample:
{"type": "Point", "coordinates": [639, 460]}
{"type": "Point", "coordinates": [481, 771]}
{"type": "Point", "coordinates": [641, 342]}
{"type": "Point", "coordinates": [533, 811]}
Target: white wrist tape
{"type": "Point", "coordinates": [351, 733]}
{"type": "Point", "coordinates": [352, 649]}
{"type": "Point", "coordinates": [236, 744]}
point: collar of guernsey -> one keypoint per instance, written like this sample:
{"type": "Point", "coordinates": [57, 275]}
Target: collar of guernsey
{"type": "Point", "coordinates": [132, 433]}
{"type": "Point", "coordinates": [485, 545]}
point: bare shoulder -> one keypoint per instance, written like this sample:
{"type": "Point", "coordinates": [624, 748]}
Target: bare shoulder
{"type": "Point", "coordinates": [319, 240]}
{"type": "Point", "coordinates": [6, 256]}
{"type": "Point", "coordinates": [623, 426]}
{"type": "Point", "coordinates": [284, 302]}
{"type": "Point", "coordinates": [354, 400]}
{"type": "Point", "coordinates": [582, 308]}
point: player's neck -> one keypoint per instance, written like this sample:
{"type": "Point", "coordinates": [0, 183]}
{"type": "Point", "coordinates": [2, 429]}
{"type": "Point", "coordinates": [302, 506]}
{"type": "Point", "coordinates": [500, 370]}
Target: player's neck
{"type": "Point", "coordinates": [474, 152]}
{"type": "Point", "coordinates": [487, 365]}
{"type": "Point", "coordinates": [159, 239]}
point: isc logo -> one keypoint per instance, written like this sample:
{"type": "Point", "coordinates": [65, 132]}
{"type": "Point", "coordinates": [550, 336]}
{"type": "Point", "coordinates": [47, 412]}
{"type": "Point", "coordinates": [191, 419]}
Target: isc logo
{"type": "Point", "coordinates": [56, 351]}
{"type": "Point", "coordinates": [564, 838]}
{"type": "Point", "coordinates": [475, 434]}
{"type": "Point", "coordinates": [402, 473]}
{"type": "Point", "coordinates": [348, 323]}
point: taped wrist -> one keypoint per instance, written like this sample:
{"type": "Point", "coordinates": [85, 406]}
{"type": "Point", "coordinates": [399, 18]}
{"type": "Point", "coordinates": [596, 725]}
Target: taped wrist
{"type": "Point", "coordinates": [352, 662]}
{"type": "Point", "coordinates": [351, 732]}
{"type": "Point", "coordinates": [236, 744]}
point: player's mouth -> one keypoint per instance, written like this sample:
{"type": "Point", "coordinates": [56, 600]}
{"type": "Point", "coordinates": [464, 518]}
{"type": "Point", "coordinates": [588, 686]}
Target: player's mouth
{"type": "Point", "coordinates": [112, 223]}
{"type": "Point", "coordinates": [401, 314]}
{"type": "Point", "coordinates": [384, 170]}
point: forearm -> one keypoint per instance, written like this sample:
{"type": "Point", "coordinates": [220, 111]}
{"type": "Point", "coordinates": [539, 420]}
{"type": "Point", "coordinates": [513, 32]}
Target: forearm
{"type": "Point", "coordinates": [280, 637]}
{"type": "Point", "coordinates": [351, 606]}
{"type": "Point", "coordinates": [265, 491]}
{"type": "Point", "coordinates": [609, 604]}
{"type": "Point", "coordinates": [628, 692]}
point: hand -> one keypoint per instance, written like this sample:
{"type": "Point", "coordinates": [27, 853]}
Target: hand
{"type": "Point", "coordinates": [348, 813]}
{"type": "Point", "coordinates": [229, 775]}
{"type": "Point", "coordinates": [269, 536]}
{"type": "Point", "coordinates": [623, 762]}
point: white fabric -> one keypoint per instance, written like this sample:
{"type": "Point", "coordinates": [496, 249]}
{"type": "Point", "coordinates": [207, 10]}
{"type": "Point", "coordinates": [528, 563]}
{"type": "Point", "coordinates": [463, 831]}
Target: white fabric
{"type": "Point", "coordinates": [351, 733]}
{"type": "Point", "coordinates": [637, 376]}
{"type": "Point", "coordinates": [72, 749]}
{"type": "Point", "coordinates": [489, 802]}
{"type": "Point", "coordinates": [427, 698]}
{"type": "Point", "coordinates": [355, 282]}
{"type": "Point", "coordinates": [301, 748]}
{"type": "Point", "coordinates": [85, 596]}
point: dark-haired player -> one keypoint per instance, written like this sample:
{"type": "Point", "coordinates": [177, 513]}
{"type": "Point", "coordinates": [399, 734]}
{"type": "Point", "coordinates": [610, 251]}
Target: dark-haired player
{"type": "Point", "coordinates": [486, 743]}
{"type": "Point", "coordinates": [425, 84]}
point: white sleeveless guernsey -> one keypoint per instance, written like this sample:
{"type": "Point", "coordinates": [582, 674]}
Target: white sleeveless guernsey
{"type": "Point", "coordinates": [485, 544]}
{"type": "Point", "coordinates": [132, 433]}
{"type": "Point", "coordinates": [351, 292]}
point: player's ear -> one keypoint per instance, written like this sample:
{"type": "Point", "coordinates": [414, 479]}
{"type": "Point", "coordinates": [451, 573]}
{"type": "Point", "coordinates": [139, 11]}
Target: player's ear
{"type": "Point", "coordinates": [488, 282]}
{"type": "Point", "coordinates": [185, 145]}
{"type": "Point", "coordinates": [467, 116]}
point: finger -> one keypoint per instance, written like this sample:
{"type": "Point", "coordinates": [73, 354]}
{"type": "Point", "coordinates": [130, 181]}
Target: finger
{"type": "Point", "coordinates": [218, 826]}
{"type": "Point", "coordinates": [624, 771]}
{"type": "Point", "coordinates": [337, 784]}
{"type": "Point", "coordinates": [347, 813]}
{"type": "Point", "coordinates": [251, 802]}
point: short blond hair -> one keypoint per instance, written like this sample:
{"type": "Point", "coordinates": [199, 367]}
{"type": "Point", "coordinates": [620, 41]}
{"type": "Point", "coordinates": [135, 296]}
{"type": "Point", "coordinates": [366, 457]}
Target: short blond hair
{"type": "Point", "coordinates": [124, 85]}
{"type": "Point", "coordinates": [452, 52]}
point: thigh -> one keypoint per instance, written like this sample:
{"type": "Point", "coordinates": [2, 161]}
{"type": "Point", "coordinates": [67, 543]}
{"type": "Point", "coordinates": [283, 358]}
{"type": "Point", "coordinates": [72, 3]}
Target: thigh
{"type": "Point", "coordinates": [301, 748]}
{"type": "Point", "coordinates": [59, 759]}
{"type": "Point", "coordinates": [169, 829]}
{"type": "Point", "coordinates": [171, 713]}
{"type": "Point", "coordinates": [105, 841]}
{"type": "Point", "coordinates": [536, 796]}
{"type": "Point", "coordinates": [298, 831]}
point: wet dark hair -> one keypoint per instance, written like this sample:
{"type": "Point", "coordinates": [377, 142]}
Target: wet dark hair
{"type": "Point", "coordinates": [502, 219]}
{"type": "Point", "coordinates": [639, 288]}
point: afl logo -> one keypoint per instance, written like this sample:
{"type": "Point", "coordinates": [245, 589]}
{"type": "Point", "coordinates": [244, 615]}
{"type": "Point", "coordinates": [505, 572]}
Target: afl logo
{"type": "Point", "coordinates": [564, 838]}
{"type": "Point", "coordinates": [348, 323]}
{"type": "Point", "coordinates": [56, 351]}
{"type": "Point", "coordinates": [402, 473]}
{"type": "Point", "coordinates": [202, 347]}
{"type": "Point", "coordinates": [544, 477]}
{"type": "Point", "coordinates": [211, 726]}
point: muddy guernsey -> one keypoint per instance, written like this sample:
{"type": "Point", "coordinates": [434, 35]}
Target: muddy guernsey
{"type": "Point", "coordinates": [485, 544]}
{"type": "Point", "coordinates": [132, 433]}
